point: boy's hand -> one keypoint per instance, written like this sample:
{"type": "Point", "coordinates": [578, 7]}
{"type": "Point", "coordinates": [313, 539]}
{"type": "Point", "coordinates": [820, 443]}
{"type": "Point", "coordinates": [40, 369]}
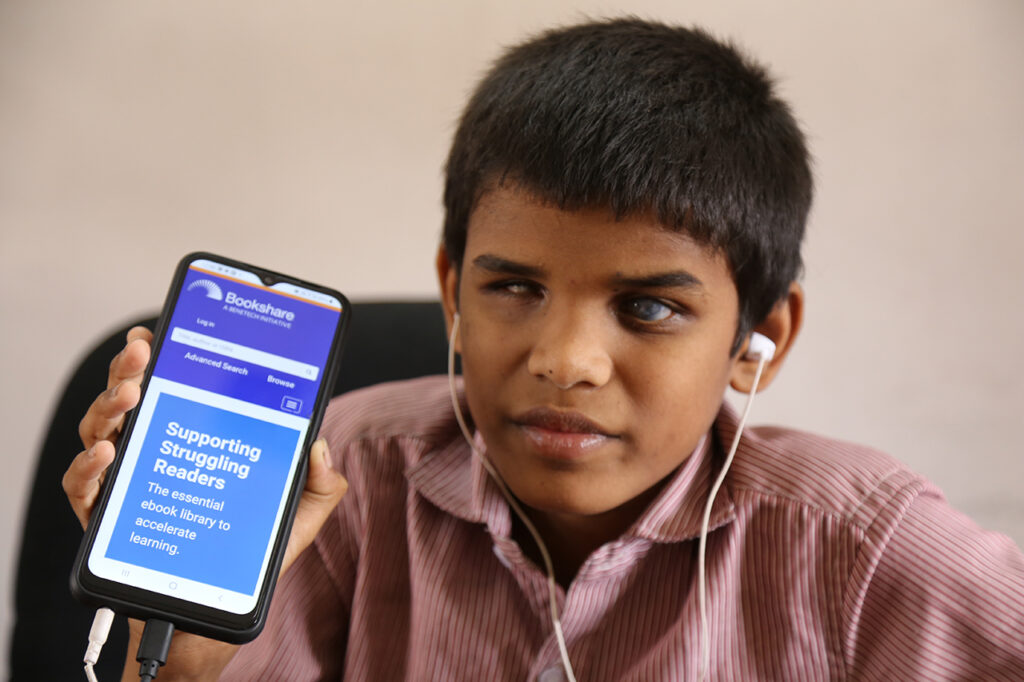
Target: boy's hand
{"type": "Point", "coordinates": [191, 656]}
{"type": "Point", "coordinates": [102, 423]}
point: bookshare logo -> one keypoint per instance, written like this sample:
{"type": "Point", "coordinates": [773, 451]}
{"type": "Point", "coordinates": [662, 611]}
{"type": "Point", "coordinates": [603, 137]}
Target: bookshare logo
{"type": "Point", "coordinates": [257, 306]}
{"type": "Point", "coordinates": [211, 289]}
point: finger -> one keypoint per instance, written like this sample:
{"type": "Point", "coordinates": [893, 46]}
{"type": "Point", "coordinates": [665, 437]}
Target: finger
{"type": "Point", "coordinates": [139, 332]}
{"type": "Point", "coordinates": [83, 478]}
{"type": "Point", "coordinates": [130, 363]}
{"type": "Point", "coordinates": [106, 414]}
{"type": "Point", "coordinates": [323, 480]}
{"type": "Point", "coordinates": [324, 489]}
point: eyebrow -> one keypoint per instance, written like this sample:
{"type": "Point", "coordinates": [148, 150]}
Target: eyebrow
{"type": "Point", "coordinates": [504, 266]}
{"type": "Point", "coordinates": [673, 279]}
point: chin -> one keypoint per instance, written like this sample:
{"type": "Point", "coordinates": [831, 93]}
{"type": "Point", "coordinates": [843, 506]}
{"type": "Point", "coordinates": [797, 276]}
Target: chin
{"type": "Point", "coordinates": [567, 502]}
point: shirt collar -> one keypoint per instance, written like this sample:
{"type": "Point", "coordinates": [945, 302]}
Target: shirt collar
{"type": "Point", "coordinates": [678, 510]}
{"type": "Point", "coordinates": [454, 480]}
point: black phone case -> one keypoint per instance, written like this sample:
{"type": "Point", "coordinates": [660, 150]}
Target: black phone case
{"type": "Point", "coordinates": [188, 616]}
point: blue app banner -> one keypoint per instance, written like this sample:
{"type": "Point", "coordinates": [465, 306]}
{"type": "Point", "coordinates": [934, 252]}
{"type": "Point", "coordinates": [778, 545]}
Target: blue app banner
{"type": "Point", "coordinates": [225, 312]}
{"type": "Point", "coordinates": [189, 509]}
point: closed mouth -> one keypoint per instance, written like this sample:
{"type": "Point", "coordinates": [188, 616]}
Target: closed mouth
{"type": "Point", "coordinates": [567, 423]}
{"type": "Point", "coordinates": [564, 436]}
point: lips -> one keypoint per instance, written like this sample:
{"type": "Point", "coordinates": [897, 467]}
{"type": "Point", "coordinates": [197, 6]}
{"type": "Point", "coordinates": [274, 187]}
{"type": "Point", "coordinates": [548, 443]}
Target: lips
{"type": "Point", "coordinates": [561, 435]}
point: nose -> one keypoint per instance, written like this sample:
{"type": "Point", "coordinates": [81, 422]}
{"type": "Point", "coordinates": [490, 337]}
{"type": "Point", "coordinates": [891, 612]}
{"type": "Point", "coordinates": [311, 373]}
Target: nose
{"type": "Point", "coordinates": [570, 349]}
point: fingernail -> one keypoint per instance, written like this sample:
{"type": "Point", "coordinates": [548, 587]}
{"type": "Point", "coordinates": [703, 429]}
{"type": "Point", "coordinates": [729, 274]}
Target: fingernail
{"type": "Point", "coordinates": [114, 390]}
{"type": "Point", "coordinates": [91, 452]}
{"type": "Point", "coordinates": [327, 453]}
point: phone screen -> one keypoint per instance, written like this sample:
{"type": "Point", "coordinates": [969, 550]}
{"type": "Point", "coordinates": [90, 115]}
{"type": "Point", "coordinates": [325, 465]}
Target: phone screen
{"type": "Point", "coordinates": [217, 439]}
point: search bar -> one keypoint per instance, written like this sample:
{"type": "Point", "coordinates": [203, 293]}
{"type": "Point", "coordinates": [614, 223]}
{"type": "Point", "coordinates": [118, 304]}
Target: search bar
{"type": "Point", "coordinates": [246, 354]}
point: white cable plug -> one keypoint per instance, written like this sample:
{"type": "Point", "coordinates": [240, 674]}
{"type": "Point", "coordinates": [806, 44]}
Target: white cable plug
{"type": "Point", "coordinates": [101, 623]}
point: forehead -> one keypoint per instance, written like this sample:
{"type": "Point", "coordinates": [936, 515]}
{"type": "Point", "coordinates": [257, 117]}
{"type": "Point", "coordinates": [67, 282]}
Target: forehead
{"type": "Point", "coordinates": [513, 224]}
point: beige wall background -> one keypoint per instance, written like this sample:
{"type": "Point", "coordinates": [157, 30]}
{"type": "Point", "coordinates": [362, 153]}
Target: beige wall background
{"type": "Point", "coordinates": [309, 137]}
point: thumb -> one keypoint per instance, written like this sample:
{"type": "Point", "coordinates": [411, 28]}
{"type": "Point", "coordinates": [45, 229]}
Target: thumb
{"type": "Point", "coordinates": [323, 480]}
{"type": "Point", "coordinates": [324, 489]}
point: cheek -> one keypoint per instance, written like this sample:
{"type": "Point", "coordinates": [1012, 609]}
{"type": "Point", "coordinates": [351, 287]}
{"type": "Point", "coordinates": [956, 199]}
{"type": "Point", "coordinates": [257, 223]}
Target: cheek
{"type": "Point", "coordinates": [487, 360]}
{"type": "Point", "coordinates": [489, 347]}
{"type": "Point", "coordinates": [678, 394]}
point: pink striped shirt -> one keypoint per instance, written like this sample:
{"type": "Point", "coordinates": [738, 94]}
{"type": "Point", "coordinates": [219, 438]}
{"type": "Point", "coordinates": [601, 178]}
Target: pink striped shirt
{"type": "Point", "coordinates": [827, 561]}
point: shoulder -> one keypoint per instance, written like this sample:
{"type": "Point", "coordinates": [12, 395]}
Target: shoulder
{"type": "Point", "coordinates": [854, 482]}
{"type": "Point", "coordinates": [924, 593]}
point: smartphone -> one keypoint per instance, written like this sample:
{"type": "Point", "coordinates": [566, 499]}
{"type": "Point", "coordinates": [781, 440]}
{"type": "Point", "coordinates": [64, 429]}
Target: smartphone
{"type": "Point", "coordinates": [195, 511]}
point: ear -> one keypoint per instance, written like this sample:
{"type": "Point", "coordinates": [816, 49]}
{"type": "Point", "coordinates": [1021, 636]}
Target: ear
{"type": "Point", "coordinates": [781, 326]}
{"type": "Point", "coordinates": [448, 279]}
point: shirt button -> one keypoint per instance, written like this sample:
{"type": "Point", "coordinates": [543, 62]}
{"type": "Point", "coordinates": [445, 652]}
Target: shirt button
{"type": "Point", "coordinates": [552, 674]}
{"type": "Point", "coordinates": [502, 558]}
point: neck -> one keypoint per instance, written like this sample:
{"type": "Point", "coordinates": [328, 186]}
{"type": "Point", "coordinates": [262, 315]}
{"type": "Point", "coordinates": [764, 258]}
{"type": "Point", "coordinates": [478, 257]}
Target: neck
{"type": "Point", "coordinates": [571, 538]}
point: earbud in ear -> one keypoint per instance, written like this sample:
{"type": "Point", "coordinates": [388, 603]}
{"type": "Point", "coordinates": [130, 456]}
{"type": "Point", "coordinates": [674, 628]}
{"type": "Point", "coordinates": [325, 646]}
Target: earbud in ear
{"type": "Point", "coordinates": [761, 347]}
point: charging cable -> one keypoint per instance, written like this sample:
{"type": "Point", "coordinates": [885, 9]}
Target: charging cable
{"type": "Point", "coordinates": [152, 654]}
{"type": "Point", "coordinates": [514, 504]}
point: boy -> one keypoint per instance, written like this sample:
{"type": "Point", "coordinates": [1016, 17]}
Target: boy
{"type": "Point", "coordinates": [625, 205]}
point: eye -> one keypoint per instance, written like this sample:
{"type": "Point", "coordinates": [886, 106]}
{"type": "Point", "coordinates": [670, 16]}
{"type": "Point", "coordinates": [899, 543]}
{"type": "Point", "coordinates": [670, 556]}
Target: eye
{"type": "Point", "coordinates": [516, 288]}
{"type": "Point", "coordinates": [644, 309]}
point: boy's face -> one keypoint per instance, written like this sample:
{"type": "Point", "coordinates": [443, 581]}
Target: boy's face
{"type": "Point", "coordinates": [595, 352]}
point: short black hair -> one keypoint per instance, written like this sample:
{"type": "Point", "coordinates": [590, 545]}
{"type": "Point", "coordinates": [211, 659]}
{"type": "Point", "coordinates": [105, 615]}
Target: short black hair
{"type": "Point", "coordinates": [642, 117]}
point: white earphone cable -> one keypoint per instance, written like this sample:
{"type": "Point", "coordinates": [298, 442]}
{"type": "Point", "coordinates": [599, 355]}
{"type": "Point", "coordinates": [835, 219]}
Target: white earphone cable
{"type": "Point", "coordinates": [705, 663]}
{"type": "Point", "coordinates": [513, 503]}
{"type": "Point", "coordinates": [702, 590]}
